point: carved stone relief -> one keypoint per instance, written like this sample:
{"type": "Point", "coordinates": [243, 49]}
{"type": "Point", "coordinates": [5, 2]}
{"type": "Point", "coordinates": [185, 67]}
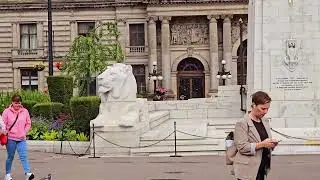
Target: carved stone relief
{"type": "Point", "coordinates": [189, 34]}
{"type": "Point", "coordinates": [236, 29]}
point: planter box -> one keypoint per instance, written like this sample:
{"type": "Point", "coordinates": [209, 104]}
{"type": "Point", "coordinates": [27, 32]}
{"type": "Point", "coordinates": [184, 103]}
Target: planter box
{"type": "Point", "coordinates": [77, 147]}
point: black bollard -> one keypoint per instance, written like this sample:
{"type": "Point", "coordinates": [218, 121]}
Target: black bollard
{"type": "Point", "coordinates": [94, 143]}
{"type": "Point", "coordinates": [175, 140]}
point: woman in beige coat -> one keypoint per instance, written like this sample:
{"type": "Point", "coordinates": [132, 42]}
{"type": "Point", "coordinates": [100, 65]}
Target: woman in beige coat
{"type": "Point", "coordinates": [253, 141]}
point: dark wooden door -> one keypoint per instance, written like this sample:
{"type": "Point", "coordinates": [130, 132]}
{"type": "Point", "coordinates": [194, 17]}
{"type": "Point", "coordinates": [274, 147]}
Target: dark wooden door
{"type": "Point", "coordinates": [190, 86]}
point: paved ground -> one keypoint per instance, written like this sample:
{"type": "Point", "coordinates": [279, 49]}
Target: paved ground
{"type": "Point", "coordinates": [64, 167]}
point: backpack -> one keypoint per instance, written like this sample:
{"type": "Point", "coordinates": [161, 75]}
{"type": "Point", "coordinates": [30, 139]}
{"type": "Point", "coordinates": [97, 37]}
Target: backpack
{"type": "Point", "coordinates": [231, 149]}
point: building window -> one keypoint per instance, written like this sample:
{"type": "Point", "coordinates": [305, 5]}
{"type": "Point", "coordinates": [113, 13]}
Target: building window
{"type": "Point", "coordinates": [28, 39]}
{"type": "Point", "coordinates": [84, 28]}
{"type": "Point", "coordinates": [29, 79]}
{"type": "Point", "coordinates": [93, 87]}
{"type": "Point", "coordinates": [137, 40]}
{"type": "Point", "coordinates": [139, 73]}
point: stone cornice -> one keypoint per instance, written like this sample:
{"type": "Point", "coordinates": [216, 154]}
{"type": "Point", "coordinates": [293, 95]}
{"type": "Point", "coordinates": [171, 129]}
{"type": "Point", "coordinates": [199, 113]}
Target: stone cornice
{"type": "Point", "coordinates": [66, 4]}
{"type": "Point", "coordinates": [156, 2]}
{"type": "Point", "coordinates": [76, 4]}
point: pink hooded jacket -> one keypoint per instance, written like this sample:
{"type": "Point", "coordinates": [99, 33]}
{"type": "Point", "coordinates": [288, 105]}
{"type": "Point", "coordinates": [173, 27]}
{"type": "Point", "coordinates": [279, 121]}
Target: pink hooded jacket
{"type": "Point", "coordinates": [22, 126]}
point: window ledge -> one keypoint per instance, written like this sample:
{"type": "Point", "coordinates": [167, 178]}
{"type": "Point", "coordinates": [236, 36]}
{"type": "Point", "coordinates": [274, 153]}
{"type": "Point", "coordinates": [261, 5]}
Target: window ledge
{"type": "Point", "coordinates": [27, 53]}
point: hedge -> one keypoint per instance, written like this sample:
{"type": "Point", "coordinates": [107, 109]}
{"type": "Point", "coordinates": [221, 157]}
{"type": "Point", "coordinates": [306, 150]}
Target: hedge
{"type": "Point", "coordinates": [83, 110]}
{"type": "Point", "coordinates": [48, 111]}
{"type": "Point", "coordinates": [60, 88]}
{"type": "Point", "coordinates": [28, 97]}
{"type": "Point", "coordinates": [28, 104]}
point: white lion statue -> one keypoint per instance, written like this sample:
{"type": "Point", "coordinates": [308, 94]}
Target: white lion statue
{"type": "Point", "coordinates": [119, 106]}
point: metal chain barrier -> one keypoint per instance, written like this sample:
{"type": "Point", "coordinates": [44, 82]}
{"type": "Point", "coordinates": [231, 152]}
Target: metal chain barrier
{"type": "Point", "coordinates": [195, 135]}
{"type": "Point", "coordinates": [293, 137]}
{"type": "Point", "coordinates": [134, 147]}
{"type": "Point", "coordinates": [82, 153]}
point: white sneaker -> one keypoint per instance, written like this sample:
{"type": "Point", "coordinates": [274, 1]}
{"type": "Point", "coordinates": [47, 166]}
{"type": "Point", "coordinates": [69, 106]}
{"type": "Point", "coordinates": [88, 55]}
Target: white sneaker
{"type": "Point", "coordinates": [29, 176]}
{"type": "Point", "coordinates": [8, 177]}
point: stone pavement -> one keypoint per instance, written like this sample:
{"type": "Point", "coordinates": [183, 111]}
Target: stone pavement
{"type": "Point", "coordinates": [66, 167]}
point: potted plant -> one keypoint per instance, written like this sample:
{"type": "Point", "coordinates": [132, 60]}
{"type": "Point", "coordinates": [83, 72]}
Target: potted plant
{"type": "Point", "coordinates": [39, 67]}
{"type": "Point", "coordinates": [160, 94]}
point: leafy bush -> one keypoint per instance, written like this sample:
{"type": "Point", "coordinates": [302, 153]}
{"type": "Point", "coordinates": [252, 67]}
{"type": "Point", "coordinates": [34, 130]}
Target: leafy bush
{"type": "Point", "coordinates": [39, 126]}
{"type": "Point", "coordinates": [49, 135]}
{"type": "Point", "coordinates": [28, 104]}
{"type": "Point", "coordinates": [60, 88]}
{"type": "Point", "coordinates": [82, 137]}
{"type": "Point", "coordinates": [42, 130]}
{"type": "Point", "coordinates": [48, 111]}
{"type": "Point", "coordinates": [27, 96]}
{"type": "Point", "coordinates": [83, 110]}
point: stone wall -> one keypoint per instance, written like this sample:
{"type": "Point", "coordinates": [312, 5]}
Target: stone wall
{"type": "Point", "coordinates": [284, 61]}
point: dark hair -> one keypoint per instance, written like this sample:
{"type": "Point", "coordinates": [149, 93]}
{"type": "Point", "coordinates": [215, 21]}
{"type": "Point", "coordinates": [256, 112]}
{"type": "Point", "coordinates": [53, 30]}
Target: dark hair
{"type": "Point", "coordinates": [16, 98]}
{"type": "Point", "coordinates": [260, 97]}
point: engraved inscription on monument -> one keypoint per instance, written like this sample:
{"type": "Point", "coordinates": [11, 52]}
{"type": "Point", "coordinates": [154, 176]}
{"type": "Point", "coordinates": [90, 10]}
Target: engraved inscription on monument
{"type": "Point", "coordinates": [297, 83]}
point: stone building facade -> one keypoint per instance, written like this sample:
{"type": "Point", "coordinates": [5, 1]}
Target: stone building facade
{"type": "Point", "coordinates": [186, 39]}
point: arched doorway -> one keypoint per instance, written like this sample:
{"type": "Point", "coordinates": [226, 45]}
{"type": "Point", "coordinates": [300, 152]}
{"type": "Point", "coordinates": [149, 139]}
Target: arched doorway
{"type": "Point", "coordinates": [190, 79]}
{"type": "Point", "coordinates": [242, 69]}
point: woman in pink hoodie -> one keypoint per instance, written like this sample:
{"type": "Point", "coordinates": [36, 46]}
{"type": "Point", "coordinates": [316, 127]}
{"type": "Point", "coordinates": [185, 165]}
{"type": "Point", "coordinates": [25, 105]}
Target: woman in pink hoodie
{"type": "Point", "coordinates": [17, 121]}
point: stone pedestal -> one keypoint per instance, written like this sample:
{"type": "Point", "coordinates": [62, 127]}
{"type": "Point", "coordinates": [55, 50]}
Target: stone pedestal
{"type": "Point", "coordinates": [283, 59]}
{"type": "Point", "coordinates": [115, 140]}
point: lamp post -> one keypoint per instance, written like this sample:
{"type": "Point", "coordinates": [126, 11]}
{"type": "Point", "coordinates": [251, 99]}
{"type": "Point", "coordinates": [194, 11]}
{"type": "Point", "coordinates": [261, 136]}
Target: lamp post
{"type": "Point", "coordinates": [242, 88]}
{"type": "Point", "coordinates": [223, 74]}
{"type": "Point", "coordinates": [155, 76]}
{"type": "Point", "coordinates": [50, 53]}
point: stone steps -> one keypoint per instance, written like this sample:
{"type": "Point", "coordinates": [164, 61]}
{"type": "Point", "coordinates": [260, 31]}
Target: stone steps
{"type": "Point", "coordinates": [157, 118]}
{"type": "Point", "coordinates": [181, 142]}
{"type": "Point", "coordinates": [185, 149]}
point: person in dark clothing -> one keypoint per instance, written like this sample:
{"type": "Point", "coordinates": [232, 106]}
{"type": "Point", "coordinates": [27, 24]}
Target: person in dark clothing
{"type": "Point", "coordinates": [253, 140]}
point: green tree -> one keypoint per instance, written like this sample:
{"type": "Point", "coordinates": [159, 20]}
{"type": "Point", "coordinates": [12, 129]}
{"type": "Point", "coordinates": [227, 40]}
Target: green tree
{"type": "Point", "coordinates": [90, 55]}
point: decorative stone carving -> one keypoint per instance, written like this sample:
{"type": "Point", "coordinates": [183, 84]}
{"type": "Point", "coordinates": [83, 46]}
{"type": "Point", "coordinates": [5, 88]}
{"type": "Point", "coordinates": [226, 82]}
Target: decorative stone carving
{"type": "Point", "coordinates": [121, 20]}
{"type": "Point", "coordinates": [190, 51]}
{"type": "Point", "coordinates": [213, 18]}
{"type": "Point", "coordinates": [189, 34]}
{"type": "Point", "coordinates": [119, 106]}
{"type": "Point", "coordinates": [165, 19]}
{"type": "Point", "coordinates": [235, 32]}
{"type": "Point", "coordinates": [291, 59]}
{"type": "Point", "coordinates": [152, 19]}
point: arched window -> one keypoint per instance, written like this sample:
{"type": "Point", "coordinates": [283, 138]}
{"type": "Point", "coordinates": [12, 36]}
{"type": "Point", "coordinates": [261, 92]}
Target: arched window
{"type": "Point", "coordinates": [190, 64]}
{"type": "Point", "coordinates": [242, 73]}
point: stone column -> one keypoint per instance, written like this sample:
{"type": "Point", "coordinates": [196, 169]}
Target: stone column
{"type": "Point", "coordinates": [227, 44]}
{"type": "Point", "coordinates": [152, 38]}
{"type": "Point", "coordinates": [40, 38]}
{"type": "Point", "coordinates": [214, 60]}
{"type": "Point", "coordinates": [73, 30]}
{"type": "Point", "coordinates": [122, 38]}
{"type": "Point", "coordinates": [15, 38]}
{"type": "Point", "coordinates": [17, 78]}
{"type": "Point", "coordinates": [165, 51]}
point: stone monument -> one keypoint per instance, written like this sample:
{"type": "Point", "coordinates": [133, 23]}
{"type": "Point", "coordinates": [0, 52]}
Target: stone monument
{"type": "Point", "coordinates": [283, 59]}
{"type": "Point", "coordinates": [122, 117]}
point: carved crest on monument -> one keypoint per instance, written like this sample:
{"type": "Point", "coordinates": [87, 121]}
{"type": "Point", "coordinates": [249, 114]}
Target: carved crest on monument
{"type": "Point", "coordinates": [292, 57]}
{"type": "Point", "coordinates": [189, 34]}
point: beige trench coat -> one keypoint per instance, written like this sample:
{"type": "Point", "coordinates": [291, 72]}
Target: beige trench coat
{"type": "Point", "coordinates": [247, 160]}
